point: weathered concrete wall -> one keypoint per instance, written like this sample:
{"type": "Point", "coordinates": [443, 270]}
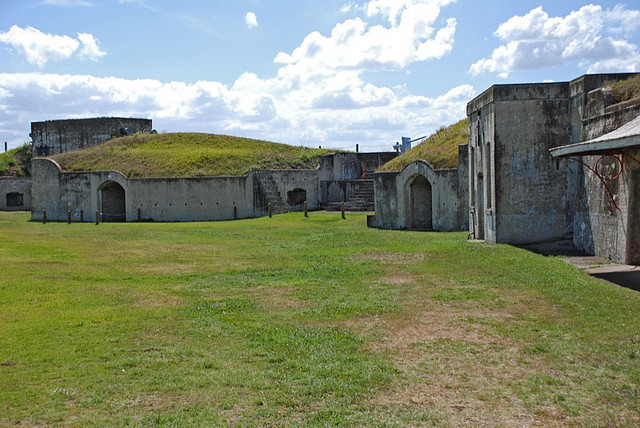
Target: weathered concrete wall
{"type": "Point", "coordinates": [190, 199]}
{"type": "Point", "coordinates": [607, 211]}
{"type": "Point", "coordinates": [518, 192]}
{"type": "Point", "coordinates": [607, 223]}
{"type": "Point", "coordinates": [57, 136]}
{"type": "Point", "coordinates": [161, 199]}
{"type": "Point", "coordinates": [351, 166]}
{"type": "Point", "coordinates": [169, 199]}
{"type": "Point", "coordinates": [448, 191]}
{"type": "Point", "coordinates": [291, 180]}
{"type": "Point", "coordinates": [15, 193]}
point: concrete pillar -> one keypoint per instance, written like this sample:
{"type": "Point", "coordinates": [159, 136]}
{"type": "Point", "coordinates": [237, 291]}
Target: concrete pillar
{"type": "Point", "coordinates": [269, 208]}
{"type": "Point", "coordinates": [97, 217]}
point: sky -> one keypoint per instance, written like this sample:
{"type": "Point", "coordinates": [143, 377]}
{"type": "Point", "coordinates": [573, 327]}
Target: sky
{"type": "Point", "coordinates": [329, 73]}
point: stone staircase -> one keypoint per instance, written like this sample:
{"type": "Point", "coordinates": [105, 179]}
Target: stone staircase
{"type": "Point", "coordinates": [272, 195]}
{"type": "Point", "coordinates": [363, 198]}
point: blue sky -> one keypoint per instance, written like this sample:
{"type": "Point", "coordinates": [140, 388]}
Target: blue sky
{"type": "Point", "coordinates": [331, 73]}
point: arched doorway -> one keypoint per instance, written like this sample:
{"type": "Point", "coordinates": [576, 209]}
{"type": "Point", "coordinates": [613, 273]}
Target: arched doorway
{"type": "Point", "coordinates": [420, 204]}
{"type": "Point", "coordinates": [112, 202]}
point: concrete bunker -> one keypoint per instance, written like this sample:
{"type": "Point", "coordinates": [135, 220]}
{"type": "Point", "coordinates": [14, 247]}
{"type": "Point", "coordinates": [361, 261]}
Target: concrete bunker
{"type": "Point", "coordinates": [111, 202]}
{"type": "Point", "coordinates": [420, 203]}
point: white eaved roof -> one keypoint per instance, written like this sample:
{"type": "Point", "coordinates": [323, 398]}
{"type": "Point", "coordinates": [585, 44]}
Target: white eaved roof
{"type": "Point", "coordinates": [627, 136]}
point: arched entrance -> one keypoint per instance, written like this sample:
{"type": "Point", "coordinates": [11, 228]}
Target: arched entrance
{"type": "Point", "coordinates": [420, 204]}
{"type": "Point", "coordinates": [112, 202]}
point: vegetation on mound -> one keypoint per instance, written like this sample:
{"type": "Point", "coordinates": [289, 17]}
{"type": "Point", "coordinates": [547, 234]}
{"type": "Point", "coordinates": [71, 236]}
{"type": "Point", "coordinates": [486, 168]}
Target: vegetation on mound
{"type": "Point", "coordinates": [625, 90]}
{"type": "Point", "coordinates": [16, 162]}
{"type": "Point", "coordinates": [188, 155]}
{"type": "Point", "coordinates": [440, 149]}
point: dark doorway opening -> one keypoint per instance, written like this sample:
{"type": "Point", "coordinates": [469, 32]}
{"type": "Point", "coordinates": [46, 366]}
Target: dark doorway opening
{"type": "Point", "coordinates": [112, 202]}
{"type": "Point", "coordinates": [421, 204]}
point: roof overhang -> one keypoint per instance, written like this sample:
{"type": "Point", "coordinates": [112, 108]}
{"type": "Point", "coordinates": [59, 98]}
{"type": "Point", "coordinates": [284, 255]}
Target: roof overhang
{"type": "Point", "coordinates": [625, 137]}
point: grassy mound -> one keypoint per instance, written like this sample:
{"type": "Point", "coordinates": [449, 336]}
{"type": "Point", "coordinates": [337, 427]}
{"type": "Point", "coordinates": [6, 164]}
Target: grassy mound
{"type": "Point", "coordinates": [440, 149]}
{"type": "Point", "coordinates": [16, 162]}
{"type": "Point", "coordinates": [188, 155]}
{"type": "Point", "coordinates": [625, 90]}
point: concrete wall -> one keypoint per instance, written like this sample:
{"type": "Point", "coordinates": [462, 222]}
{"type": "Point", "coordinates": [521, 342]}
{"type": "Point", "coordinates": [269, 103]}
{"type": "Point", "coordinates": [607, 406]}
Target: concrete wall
{"type": "Point", "coordinates": [57, 136]}
{"type": "Point", "coordinates": [351, 166]}
{"type": "Point", "coordinates": [168, 199]}
{"type": "Point", "coordinates": [14, 190]}
{"type": "Point", "coordinates": [158, 199]}
{"type": "Point", "coordinates": [449, 195]}
{"type": "Point", "coordinates": [607, 211]}
{"type": "Point", "coordinates": [606, 223]}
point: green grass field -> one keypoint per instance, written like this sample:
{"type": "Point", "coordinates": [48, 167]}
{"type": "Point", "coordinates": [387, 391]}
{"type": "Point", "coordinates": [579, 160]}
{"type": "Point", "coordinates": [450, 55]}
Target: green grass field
{"type": "Point", "coordinates": [294, 321]}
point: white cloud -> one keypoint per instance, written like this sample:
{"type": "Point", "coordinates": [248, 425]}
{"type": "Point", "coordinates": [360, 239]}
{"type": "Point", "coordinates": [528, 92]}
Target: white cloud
{"type": "Point", "coordinates": [337, 114]}
{"type": "Point", "coordinates": [319, 96]}
{"type": "Point", "coordinates": [251, 20]}
{"type": "Point", "coordinates": [39, 48]}
{"type": "Point", "coordinates": [587, 35]}
{"type": "Point", "coordinates": [355, 45]}
{"type": "Point", "coordinates": [89, 47]}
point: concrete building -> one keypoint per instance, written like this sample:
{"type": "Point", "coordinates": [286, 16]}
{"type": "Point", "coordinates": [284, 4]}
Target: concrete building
{"type": "Point", "coordinates": [53, 137]}
{"type": "Point", "coordinates": [520, 194]}
{"type": "Point", "coordinates": [423, 198]}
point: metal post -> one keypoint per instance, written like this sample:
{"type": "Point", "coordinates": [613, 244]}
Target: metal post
{"type": "Point", "coordinates": [357, 147]}
{"type": "Point", "coordinates": [269, 208]}
{"type": "Point", "coordinates": [305, 209]}
{"type": "Point", "coordinates": [68, 216]}
{"type": "Point", "coordinates": [342, 209]}
{"type": "Point", "coordinates": [97, 217]}
{"type": "Point", "coordinates": [44, 216]}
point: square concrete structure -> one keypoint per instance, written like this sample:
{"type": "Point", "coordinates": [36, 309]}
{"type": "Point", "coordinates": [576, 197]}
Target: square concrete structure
{"type": "Point", "coordinates": [520, 194]}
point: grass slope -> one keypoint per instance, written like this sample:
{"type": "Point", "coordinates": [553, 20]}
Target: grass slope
{"type": "Point", "coordinates": [312, 321]}
{"type": "Point", "coordinates": [439, 149]}
{"type": "Point", "coordinates": [625, 90]}
{"type": "Point", "coordinates": [16, 162]}
{"type": "Point", "coordinates": [188, 155]}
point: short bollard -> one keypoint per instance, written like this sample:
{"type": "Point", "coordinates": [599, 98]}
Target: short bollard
{"type": "Point", "coordinates": [68, 216]}
{"type": "Point", "coordinates": [305, 209]}
{"type": "Point", "coordinates": [235, 212]}
{"type": "Point", "coordinates": [97, 216]}
{"type": "Point", "coordinates": [44, 217]}
{"type": "Point", "coordinates": [81, 216]}
{"type": "Point", "coordinates": [270, 209]}
{"type": "Point", "coordinates": [342, 210]}
{"type": "Point", "coordinates": [139, 215]}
